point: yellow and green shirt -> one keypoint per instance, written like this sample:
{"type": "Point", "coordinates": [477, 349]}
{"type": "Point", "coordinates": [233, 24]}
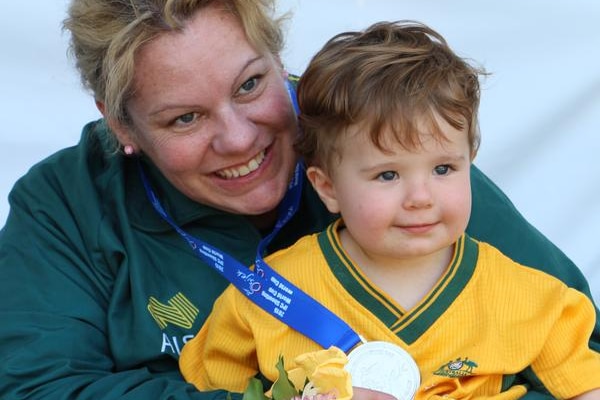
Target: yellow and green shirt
{"type": "Point", "coordinates": [490, 326]}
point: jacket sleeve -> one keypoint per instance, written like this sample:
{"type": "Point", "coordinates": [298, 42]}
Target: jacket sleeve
{"type": "Point", "coordinates": [54, 345]}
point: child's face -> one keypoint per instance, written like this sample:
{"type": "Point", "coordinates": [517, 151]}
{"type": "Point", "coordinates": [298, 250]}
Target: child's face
{"type": "Point", "coordinates": [402, 203]}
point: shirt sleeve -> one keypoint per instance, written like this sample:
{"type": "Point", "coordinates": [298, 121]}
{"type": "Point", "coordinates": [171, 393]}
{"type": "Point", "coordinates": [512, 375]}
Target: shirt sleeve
{"type": "Point", "coordinates": [494, 219]}
{"type": "Point", "coordinates": [566, 365]}
{"type": "Point", "coordinates": [223, 354]}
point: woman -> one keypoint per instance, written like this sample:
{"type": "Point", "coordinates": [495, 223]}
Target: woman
{"type": "Point", "coordinates": [99, 292]}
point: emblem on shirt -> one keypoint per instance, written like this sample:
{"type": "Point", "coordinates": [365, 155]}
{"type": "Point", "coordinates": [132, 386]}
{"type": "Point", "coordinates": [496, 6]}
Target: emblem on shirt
{"type": "Point", "coordinates": [457, 368]}
{"type": "Point", "coordinates": [178, 311]}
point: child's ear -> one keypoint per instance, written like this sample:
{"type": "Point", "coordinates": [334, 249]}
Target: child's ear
{"type": "Point", "coordinates": [324, 188]}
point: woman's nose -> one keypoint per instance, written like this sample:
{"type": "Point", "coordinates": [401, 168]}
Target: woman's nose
{"type": "Point", "coordinates": [235, 131]}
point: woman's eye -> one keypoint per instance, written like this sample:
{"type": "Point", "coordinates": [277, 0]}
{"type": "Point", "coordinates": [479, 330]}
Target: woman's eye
{"type": "Point", "coordinates": [387, 176]}
{"type": "Point", "coordinates": [186, 119]}
{"type": "Point", "coordinates": [441, 169]}
{"type": "Point", "coordinates": [249, 85]}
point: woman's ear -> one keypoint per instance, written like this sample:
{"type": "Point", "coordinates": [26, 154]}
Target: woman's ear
{"type": "Point", "coordinates": [101, 107]}
{"type": "Point", "coordinates": [122, 132]}
{"type": "Point", "coordinates": [324, 187]}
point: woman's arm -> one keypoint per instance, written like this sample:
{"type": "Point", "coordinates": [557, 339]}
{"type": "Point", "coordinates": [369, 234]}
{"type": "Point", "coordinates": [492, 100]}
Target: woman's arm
{"type": "Point", "coordinates": [55, 294]}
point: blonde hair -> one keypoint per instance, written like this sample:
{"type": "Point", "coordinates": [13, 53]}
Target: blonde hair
{"type": "Point", "coordinates": [392, 75]}
{"type": "Point", "coordinates": [105, 35]}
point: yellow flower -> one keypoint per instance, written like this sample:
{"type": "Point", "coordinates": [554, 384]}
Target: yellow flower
{"type": "Point", "coordinates": [325, 373]}
{"type": "Point", "coordinates": [320, 374]}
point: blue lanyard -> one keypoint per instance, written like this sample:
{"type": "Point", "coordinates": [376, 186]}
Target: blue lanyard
{"type": "Point", "coordinates": [264, 286]}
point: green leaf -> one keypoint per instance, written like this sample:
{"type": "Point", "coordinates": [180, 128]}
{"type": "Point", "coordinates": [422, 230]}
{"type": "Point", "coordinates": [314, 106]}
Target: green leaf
{"type": "Point", "coordinates": [283, 389]}
{"type": "Point", "coordinates": [254, 390]}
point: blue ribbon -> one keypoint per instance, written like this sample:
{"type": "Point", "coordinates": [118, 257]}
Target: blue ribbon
{"type": "Point", "coordinates": [263, 285]}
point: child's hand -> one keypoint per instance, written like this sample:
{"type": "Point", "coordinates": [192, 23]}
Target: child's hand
{"type": "Point", "coordinates": [591, 395]}
{"type": "Point", "coordinates": [368, 394]}
{"type": "Point", "coordinates": [327, 396]}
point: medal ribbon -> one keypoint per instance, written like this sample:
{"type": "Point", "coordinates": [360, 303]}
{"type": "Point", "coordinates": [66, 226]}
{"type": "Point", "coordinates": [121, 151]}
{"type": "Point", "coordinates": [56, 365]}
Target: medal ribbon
{"type": "Point", "coordinates": [264, 286]}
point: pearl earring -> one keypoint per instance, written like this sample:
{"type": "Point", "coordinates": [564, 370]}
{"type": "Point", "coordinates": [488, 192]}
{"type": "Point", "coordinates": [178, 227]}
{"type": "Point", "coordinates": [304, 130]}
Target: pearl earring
{"type": "Point", "coordinates": [128, 149]}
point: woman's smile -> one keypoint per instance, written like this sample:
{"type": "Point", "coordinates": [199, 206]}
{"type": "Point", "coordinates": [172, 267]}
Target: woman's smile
{"type": "Point", "coordinates": [244, 169]}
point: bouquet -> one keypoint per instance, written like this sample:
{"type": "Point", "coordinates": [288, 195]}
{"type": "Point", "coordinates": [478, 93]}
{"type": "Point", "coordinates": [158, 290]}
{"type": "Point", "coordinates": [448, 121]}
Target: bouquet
{"type": "Point", "coordinates": [320, 375]}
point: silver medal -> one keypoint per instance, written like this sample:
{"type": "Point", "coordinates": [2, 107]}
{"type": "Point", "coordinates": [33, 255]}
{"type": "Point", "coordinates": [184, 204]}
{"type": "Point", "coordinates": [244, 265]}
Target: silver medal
{"type": "Point", "coordinates": [384, 367]}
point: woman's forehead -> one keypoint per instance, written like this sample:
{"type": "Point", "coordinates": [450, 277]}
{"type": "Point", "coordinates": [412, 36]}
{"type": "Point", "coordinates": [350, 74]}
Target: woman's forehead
{"type": "Point", "coordinates": [211, 50]}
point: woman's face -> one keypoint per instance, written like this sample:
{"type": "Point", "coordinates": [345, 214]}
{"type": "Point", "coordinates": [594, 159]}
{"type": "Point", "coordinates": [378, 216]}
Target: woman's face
{"type": "Point", "coordinates": [214, 115]}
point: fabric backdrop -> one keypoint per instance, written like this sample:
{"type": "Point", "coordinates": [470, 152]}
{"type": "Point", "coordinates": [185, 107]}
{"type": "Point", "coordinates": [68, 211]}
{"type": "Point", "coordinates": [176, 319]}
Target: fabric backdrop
{"type": "Point", "coordinates": [540, 111]}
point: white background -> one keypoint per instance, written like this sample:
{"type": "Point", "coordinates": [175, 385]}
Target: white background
{"type": "Point", "coordinates": [540, 111]}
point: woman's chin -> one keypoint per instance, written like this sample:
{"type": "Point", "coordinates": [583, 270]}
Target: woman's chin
{"type": "Point", "coordinates": [259, 205]}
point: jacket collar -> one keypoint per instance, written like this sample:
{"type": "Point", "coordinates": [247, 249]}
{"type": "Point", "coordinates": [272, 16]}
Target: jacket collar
{"type": "Point", "coordinates": [181, 209]}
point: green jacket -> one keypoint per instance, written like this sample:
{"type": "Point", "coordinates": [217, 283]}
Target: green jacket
{"type": "Point", "coordinates": [99, 294]}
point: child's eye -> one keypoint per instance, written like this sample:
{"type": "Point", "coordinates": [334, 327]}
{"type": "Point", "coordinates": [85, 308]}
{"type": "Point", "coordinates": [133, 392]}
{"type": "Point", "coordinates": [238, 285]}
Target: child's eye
{"type": "Point", "coordinates": [442, 169]}
{"type": "Point", "coordinates": [387, 176]}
